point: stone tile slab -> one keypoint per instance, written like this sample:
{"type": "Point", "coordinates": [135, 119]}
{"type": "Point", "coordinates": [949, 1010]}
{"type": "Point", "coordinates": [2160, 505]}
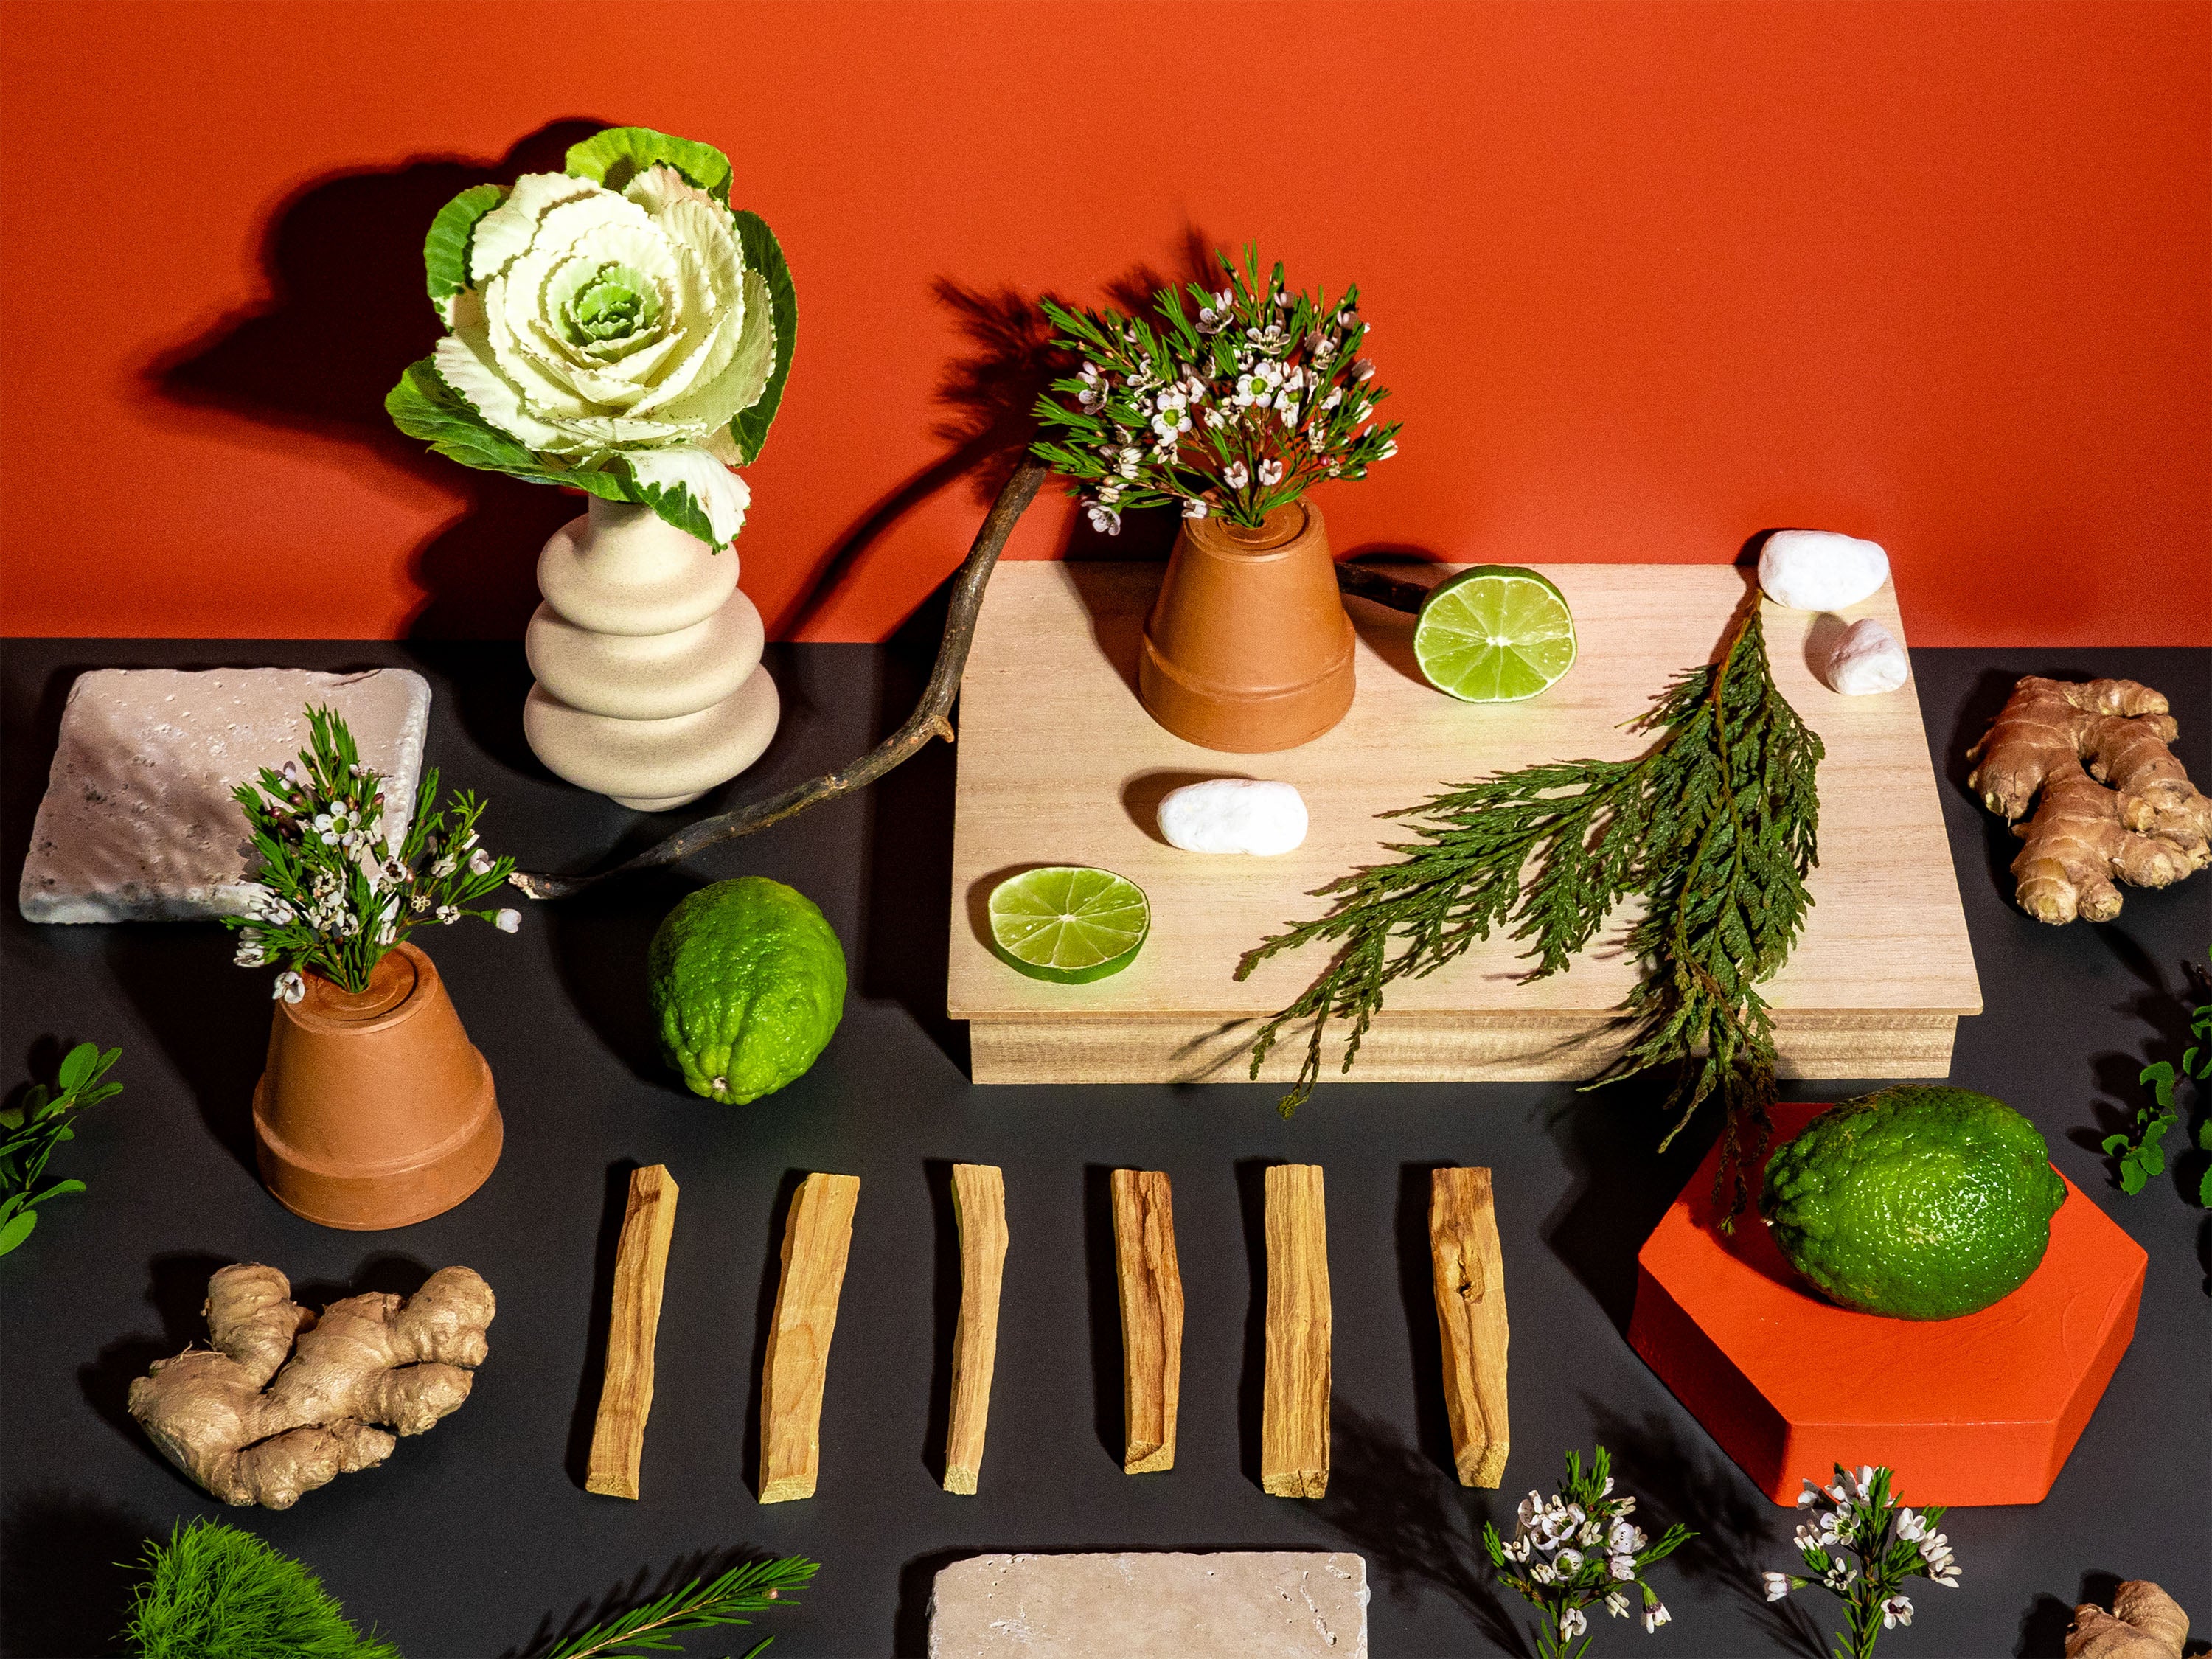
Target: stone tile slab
{"type": "Point", "coordinates": [137, 823]}
{"type": "Point", "coordinates": [1255, 1605]}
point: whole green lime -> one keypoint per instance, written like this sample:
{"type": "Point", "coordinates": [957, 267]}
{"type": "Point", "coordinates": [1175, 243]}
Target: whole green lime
{"type": "Point", "coordinates": [747, 986]}
{"type": "Point", "coordinates": [1916, 1202]}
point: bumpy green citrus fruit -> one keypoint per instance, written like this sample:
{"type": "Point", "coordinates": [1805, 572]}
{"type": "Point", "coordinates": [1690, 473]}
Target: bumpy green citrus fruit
{"type": "Point", "coordinates": [1919, 1203]}
{"type": "Point", "coordinates": [748, 985]}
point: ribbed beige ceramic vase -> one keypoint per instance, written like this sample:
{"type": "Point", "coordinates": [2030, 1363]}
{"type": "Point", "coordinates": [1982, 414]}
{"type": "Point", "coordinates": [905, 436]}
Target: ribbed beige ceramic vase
{"type": "Point", "coordinates": [1249, 648]}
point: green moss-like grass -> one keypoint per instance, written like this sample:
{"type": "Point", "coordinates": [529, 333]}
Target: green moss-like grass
{"type": "Point", "coordinates": [214, 1592]}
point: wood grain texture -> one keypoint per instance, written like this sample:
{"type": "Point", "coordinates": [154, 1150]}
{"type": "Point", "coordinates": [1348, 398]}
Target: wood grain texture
{"type": "Point", "coordinates": [1294, 1402]}
{"type": "Point", "coordinates": [1469, 1266]}
{"type": "Point", "coordinates": [979, 1206]}
{"type": "Point", "coordinates": [1150, 1284]}
{"type": "Point", "coordinates": [1059, 764]}
{"type": "Point", "coordinates": [626, 1387]}
{"type": "Point", "coordinates": [818, 1234]}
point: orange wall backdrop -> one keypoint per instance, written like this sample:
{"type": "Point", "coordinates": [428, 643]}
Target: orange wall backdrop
{"type": "Point", "coordinates": [1644, 278]}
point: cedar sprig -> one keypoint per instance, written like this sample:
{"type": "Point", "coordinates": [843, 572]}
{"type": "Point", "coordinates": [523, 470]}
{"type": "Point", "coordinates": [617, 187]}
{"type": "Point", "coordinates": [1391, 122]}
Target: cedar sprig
{"type": "Point", "coordinates": [754, 1587]}
{"type": "Point", "coordinates": [1716, 826]}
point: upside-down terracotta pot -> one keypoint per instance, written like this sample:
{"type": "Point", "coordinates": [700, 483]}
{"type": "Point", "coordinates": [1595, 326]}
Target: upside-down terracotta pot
{"type": "Point", "coordinates": [1249, 648]}
{"type": "Point", "coordinates": [375, 1109]}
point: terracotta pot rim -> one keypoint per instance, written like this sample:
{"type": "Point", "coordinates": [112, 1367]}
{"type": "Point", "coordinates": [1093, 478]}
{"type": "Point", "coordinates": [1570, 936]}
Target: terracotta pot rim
{"type": "Point", "coordinates": [427, 978]}
{"type": "Point", "coordinates": [1284, 529]}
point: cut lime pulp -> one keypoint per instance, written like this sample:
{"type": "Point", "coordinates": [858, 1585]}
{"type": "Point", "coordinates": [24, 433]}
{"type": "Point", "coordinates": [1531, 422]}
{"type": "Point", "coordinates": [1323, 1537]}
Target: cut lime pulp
{"type": "Point", "coordinates": [1497, 633]}
{"type": "Point", "coordinates": [1068, 923]}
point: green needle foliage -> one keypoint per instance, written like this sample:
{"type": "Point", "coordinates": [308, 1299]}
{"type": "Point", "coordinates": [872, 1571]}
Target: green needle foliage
{"type": "Point", "coordinates": [753, 1587]}
{"type": "Point", "coordinates": [30, 1133]}
{"type": "Point", "coordinates": [1715, 826]}
{"type": "Point", "coordinates": [217, 1593]}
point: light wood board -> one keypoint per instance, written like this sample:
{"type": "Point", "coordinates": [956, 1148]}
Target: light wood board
{"type": "Point", "coordinates": [1060, 764]}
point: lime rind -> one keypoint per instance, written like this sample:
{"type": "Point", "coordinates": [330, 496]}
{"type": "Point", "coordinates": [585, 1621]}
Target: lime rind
{"type": "Point", "coordinates": [1068, 924]}
{"type": "Point", "coordinates": [1495, 633]}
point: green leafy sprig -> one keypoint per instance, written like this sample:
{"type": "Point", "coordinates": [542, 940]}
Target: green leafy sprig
{"type": "Point", "coordinates": [1578, 1548]}
{"type": "Point", "coordinates": [700, 1605]}
{"type": "Point", "coordinates": [35, 1129]}
{"type": "Point", "coordinates": [212, 1588]}
{"type": "Point", "coordinates": [1716, 826]}
{"type": "Point", "coordinates": [2140, 1155]}
{"type": "Point", "coordinates": [1237, 410]}
{"type": "Point", "coordinates": [1858, 1543]}
{"type": "Point", "coordinates": [336, 896]}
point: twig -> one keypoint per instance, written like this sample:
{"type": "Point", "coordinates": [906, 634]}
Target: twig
{"type": "Point", "coordinates": [932, 717]}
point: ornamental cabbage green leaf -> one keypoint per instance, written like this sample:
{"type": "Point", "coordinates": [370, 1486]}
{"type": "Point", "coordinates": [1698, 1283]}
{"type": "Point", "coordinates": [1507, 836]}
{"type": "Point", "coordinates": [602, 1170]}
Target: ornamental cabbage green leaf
{"type": "Point", "coordinates": [445, 249]}
{"type": "Point", "coordinates": [764, 255]}
{"type": "Point", "coordinates": [616, 155]}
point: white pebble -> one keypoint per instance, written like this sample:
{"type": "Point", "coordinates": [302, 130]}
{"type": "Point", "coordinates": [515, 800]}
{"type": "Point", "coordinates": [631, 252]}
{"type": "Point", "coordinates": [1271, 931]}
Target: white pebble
{"type": "Point", "coordinates": [1820, 570]}
{"type": "Point", "coordinates": [1233, 815]}
{"type": "Point", "coordinates": [1868, 658]}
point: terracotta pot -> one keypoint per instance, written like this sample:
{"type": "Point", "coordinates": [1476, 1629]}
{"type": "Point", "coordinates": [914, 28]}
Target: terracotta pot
{"type": "Point", "coordinates": [375, 1110]}
{"type": "Point", "coordinates": [1249, 648]}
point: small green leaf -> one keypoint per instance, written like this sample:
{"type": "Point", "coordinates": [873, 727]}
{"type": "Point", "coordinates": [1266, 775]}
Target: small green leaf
{"type": "Point", "coordinates": [59, 1189]}
{"type": "Point", "coordinates": [423, 406]}
{"type": "Point", "coordinates": [2204, 1190]}
{"type": "Point", "coordinates": [2116, 1145]}
{"type": "Point", "coordinates": [616, 155]}
{"type": "Point", "coordinates": [764, 254]}
{"type": "Point", "coordinates": [17, 1230]}
{"type": "Point", "coordinates": [445, 249]}
{"type": "Point", "coordinates": [77, 1067]}
{"type": "Point", "coordinates": [12, 1118]}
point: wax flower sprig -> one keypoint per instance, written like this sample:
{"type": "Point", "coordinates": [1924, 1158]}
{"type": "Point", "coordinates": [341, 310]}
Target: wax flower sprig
{"type": "Point", "coordinates": [1577, 1547]}
{"type": "Point", "coordinates": [1236, 410]}
{"type": "Point", "coordinates": [1858, 1543]}
{"type": "Point", "coordinates": [334, 893]}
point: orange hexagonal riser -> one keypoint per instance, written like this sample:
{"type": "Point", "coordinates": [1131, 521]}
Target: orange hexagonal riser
{"type": "Point", "coordinates": [1979, 1410]}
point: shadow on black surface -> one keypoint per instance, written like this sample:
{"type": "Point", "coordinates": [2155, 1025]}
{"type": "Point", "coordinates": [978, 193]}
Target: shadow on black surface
{"type": "Point", "coordinates": [779, 1214]}
{"type": "Point", "coordinates": [210, 1018]}
{"type": "Point", "coordinates": [1417, 1290]}
{"type": "Point", "coordinates": [1677, 1474]}
{"type": "Point", "coordinates": [1102, 1288]}
{"type": "Point", "coordinates": [342, 257]}
{"type": "Point", "coordinates": [388, 1273]}
{"type": "Point", "coordinates": [600, 939]}
{"type": "Point", "coordinates": [592, 1376]}
{"type": "Point", "coordinates": [944, 1312]}
{"type": "Point", "coordinates": [1252, 1382]}
{"type": "Point", "coordinates": [1419, 1529]}
{"type": "Point", "coordinates": [645, 1585]}
{"type": "Point", "coordinates": [177, 1293]}
{"type": "Point", "coordinates": [66, 1577]}
{"type": "Point", "coordinates": [1623, 1184]}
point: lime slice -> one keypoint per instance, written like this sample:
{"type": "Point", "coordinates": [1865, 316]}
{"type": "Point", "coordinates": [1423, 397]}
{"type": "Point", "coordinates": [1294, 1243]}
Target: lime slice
{"type": "Point", "coordinates": [1068, 923]}
{"type": "Point", "coordinates": [1497, 633]}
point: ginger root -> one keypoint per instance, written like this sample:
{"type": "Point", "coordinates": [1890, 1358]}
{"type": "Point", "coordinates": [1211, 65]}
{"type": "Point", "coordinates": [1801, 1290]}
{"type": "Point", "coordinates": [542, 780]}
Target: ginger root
{"type": "Point", "coordinates": [257, 1419]}
{"type": "Point", "coordinates": [2113, 801]}
{"type": "Point", "coordinates": [2145, 1623]}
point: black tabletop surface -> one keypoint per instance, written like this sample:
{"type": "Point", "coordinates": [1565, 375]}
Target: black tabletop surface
{"type": "Point", "coordinates": [478, 1539]}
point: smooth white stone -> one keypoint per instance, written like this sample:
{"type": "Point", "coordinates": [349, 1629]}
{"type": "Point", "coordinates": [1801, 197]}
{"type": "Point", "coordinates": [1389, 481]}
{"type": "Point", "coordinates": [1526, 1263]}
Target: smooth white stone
{"type": "Point", "coordinates": [1233, 815]}
{"type": "Point", "coordinates": [137, 823]}
{"type": "Point", "coordinates": [1820, 570]}
{"type": "Point", "coordinates": [1867, 658]}
{"type": "Point", "coordinates": [1251, 1605]}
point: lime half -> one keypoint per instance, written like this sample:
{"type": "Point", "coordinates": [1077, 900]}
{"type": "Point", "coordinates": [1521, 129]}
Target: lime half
{"type": "Point", "coordinates": [1068, 923]}
{"type": "Point", "coordinates": [1497, 633]}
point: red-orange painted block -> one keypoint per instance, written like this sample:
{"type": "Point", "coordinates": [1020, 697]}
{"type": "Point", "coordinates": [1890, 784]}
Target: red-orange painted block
{"type": "Point", "coordinates": [1979, 1410]}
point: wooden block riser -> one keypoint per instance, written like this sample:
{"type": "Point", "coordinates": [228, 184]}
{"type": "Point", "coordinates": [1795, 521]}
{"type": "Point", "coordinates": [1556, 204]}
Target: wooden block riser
{"type": "Point", "coordinates": [1415, 1048]}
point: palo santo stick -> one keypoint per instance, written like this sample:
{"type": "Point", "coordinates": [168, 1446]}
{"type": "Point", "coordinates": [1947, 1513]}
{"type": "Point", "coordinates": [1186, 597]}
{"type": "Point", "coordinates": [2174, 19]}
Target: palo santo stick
{"type": "Point", "coordinates": [1470, 1275]}
{"type": "Point", "coordinates": [816, 1239]}
{"type": "Point", "coordinates": [1152, 1318]}
{"type": "Point", "coordinates": [1294, 1407]}
{"type": "Point", "coordinates": [626, 1392]}
{"type": "Point", "coordinates": [979, 1209]}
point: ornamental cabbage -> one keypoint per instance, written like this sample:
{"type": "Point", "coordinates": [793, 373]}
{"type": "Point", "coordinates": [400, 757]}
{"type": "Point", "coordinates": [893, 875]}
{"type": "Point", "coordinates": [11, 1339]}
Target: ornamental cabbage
{"type": "Point", "coordinates": [616, 326]}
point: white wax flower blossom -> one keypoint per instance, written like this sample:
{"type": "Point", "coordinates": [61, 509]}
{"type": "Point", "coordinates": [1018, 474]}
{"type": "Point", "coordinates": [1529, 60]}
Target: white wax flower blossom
{"type": "Point", "coordinates": [1572, 1623]}
{"type": "Point", "coordinates": [1616, 1603]}
{"type": "Point", "coordinates": [1778, 1585]}
{"type": "Point", "coordinates": [288, 987]}
{"type": "Point", "coordinates": [1104, 519]}
{"type": "Point", "coordinates": [1623, 1567]}
{"type": "Point", "coordinates": [1896, 1610]}
{"type": "Point", "coordinates": [1194, 507]}
{"type": "Point", "coordinates": [507, 922]}
{"type": "Point", "coordinates": [1655, 1615]}
{"type": "Point", "coordinates": [1271, 473]}
{"type": "Point", "coordinates": [1235, 475]}
{"type": "Point", "coordinates": [1212, 318]}
{"type": "Point", "coordinates": [1096, 386]}
{"type": "Point", "coordinates": [479, 863]}
{"type": "Point", "coordinates": [1570, 1561]}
